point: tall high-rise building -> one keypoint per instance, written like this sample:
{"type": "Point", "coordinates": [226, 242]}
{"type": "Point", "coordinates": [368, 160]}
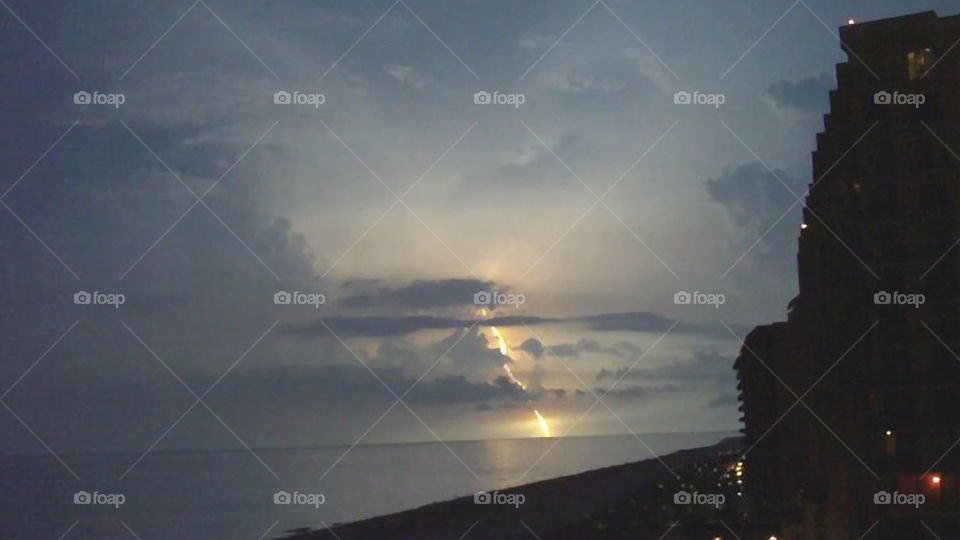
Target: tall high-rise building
{"type": "Point", "coordinates": [852, 407]}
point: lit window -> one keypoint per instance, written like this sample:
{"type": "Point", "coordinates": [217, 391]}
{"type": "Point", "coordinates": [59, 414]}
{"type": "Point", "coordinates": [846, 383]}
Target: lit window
{"type": "Point", "coordinates": [918, 62]}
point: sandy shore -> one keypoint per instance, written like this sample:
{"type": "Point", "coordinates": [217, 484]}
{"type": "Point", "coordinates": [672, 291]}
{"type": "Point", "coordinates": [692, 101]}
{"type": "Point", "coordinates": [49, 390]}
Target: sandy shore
{"type": "Point", "coordinates": [634, 500]}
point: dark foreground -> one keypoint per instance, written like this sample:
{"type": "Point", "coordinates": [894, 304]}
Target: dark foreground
{"type": "Point", "coordinates": [635, 500]}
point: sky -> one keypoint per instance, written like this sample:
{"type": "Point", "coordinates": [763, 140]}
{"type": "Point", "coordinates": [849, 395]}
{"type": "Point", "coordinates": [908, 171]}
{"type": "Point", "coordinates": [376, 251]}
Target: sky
{"type": "Point", "coordinates": [391, 188]}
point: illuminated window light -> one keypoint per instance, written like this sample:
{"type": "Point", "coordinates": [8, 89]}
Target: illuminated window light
{"type": "Point", "coordinates": [889, 433]}
{"type": "Point", "coordinates": [774, 537]}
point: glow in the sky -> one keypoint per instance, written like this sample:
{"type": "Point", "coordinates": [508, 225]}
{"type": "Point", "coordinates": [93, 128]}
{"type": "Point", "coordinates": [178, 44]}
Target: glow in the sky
{"type": "Point", "coordinates": [544, 427]}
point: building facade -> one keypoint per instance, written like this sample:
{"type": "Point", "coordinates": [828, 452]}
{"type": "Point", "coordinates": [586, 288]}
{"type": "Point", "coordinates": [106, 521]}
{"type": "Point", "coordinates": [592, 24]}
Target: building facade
{"type": "Point", "coordinates": [852, 406]}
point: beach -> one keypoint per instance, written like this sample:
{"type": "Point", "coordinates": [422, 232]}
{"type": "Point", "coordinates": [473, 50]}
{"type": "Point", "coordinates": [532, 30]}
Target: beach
{"type": "Point", "coordinates": [634, 500]}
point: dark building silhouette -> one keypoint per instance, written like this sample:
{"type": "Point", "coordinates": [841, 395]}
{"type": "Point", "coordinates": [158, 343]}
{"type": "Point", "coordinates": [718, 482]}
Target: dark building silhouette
{"type": "Point", "coordinates": [852, 407]}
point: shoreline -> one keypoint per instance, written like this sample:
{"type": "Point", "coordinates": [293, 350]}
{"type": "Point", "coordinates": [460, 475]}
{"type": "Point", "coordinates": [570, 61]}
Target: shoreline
{"type": "Point", "coordinates": [628, 500]}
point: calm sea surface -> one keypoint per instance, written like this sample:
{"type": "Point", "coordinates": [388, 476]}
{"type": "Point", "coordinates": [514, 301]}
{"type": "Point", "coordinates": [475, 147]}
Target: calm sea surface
{"type": "Point", "coordinates": [231, 494]}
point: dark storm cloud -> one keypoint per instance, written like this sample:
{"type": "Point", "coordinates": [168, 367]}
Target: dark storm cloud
{"type": "Point", "coordinates": [704, 366]}
{"type": "Point", "coordinates": [640, 392]}
{"type": "Point", "coordinates": [420, 294]}
{"type": "Point", "coordinates": [502, 406]}
{"type": "Point", "coordinates": [470, 351]}
{"type": "Point", "coordinates": [351, 384]}
{"type": "Point", "coordinates": [537, 350]}
{"type": "Point", "coordinates": [755, 200]}
{"type": "Point", "coordinates": [574, 349]}
{"type": "Point", "coordinates": [752, 195]}
{"type": "Point", "coordinates": [374, 326]}
{"type": "Point", "coordinates": [457, 389]}
{"type": "Point", "coordinates": [634, 322]}
{"type": "Point", "coordinates": [328, 384]}
{"type": "Point", "coordinates": [101, 202]}
{"type": "Point", "coordinates": [723, 400]}
{"type": "Point", "coordinates": [533, 347]}
{"type": "Point", "coordinates": [810, 94]}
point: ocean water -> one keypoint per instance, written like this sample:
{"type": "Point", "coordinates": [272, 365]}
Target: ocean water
{"type": "Point", "coordinates": [230, 494]}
